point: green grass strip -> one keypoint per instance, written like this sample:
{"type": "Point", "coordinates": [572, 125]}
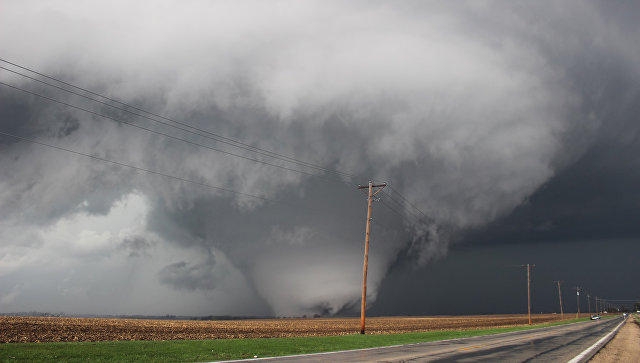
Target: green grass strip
{"type": "Point", "coordinates": [224, 349]}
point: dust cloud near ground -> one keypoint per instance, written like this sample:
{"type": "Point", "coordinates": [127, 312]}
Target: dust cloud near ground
{"type": "Point", "coordinates": [624, 347]}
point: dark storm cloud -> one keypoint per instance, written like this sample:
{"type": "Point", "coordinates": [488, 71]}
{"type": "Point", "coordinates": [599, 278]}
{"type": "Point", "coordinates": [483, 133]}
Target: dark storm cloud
{"type": "Point", "coordinates": [597, 197]}
{"type": "Point", "coordinates": [489, 279]}
{"type": "Point", "coordinates": [468, 108]}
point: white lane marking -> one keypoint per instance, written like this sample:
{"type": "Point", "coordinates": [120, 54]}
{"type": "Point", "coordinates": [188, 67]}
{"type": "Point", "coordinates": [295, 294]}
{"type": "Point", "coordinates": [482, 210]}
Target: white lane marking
{"type": "Point", "coordinates": [596, 345]}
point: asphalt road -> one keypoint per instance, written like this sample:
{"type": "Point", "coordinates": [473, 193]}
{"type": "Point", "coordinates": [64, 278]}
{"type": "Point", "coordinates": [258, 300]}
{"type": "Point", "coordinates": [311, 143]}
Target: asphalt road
{"type": "Point", "coordinates": [553, 344]}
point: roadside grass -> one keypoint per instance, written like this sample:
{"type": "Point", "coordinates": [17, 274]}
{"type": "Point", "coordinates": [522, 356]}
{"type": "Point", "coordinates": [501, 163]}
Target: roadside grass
{"type": "Point", "coordinates": [225, 349]}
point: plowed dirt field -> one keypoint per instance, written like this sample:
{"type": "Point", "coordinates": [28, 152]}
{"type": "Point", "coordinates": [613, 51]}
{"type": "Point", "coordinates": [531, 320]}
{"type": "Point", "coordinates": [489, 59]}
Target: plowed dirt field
{"type": "Point", "coordinates": [54, 329]}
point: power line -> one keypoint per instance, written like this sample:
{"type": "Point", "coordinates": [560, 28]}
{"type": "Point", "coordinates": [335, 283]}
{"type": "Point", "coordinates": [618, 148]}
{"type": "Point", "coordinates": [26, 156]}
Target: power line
{"type": "Point", "coordinates": [149, 171]}
{"type": "Point", "coordinates": [165, 175]}
{"type": "Point", "coordinates": [131, 112]}
{"type": "Point", "coordinates": [403, 202]}
{"type": "Point", "coordinates": [416, 219]}
{"type": "Point", "coordinates": [158, 132]}
{"type": "Point", "coordinates": [399, 214]}
{"type": "Point", "coordinates": [407, 201]}
{"type": "Point", "coordinates": [214, 136]}
{"type": "Point", "coordinates": [404, 214]}
{"type": "Point", "coordinates": [413, 220]}
{"type": "Point", "coordinates": [409, 214]}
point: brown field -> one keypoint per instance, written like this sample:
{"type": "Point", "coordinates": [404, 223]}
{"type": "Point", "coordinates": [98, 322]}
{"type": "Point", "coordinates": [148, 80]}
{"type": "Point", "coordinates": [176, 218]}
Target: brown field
{"type": "Point", "coordinates": [55, 329]}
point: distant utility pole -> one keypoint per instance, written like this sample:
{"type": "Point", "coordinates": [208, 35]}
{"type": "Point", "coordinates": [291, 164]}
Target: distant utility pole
{"type": "Point", "coordinates": [597, 311]}
{"type": "Point", "coordinates": [560, 297]}
{"type": "Point", "coordinates": [365, 265]}
{"type": "Point", "coordinates": [529, 266]}
{"type": "Point", "coordinates": [589, 303]}
{"type": "Point", "coordinates": [578, 301]}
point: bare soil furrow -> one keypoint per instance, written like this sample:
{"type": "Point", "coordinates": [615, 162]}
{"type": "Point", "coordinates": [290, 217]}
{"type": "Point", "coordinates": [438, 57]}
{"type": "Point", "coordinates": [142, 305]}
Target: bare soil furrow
{"type": "Point", "coordinates": [15, 329]}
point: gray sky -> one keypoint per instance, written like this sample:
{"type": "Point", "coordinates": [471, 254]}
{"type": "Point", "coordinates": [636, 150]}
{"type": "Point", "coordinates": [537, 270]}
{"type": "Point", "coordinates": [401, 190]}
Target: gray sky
{"type": "Point", "coordinates": [512, 125]}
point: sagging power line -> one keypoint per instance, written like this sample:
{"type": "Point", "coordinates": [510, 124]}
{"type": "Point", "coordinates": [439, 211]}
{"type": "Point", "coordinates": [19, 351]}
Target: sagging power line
{"type": "Point", "coordinates": [164, 134]}
{"type": "Point", "coordinates": [153, 117]}
{"type": "Point", "coordinates": [141, 169]}
{"type": "Point", "coordinates": [404, 204]}
{"type": "Point", "coordinates": [408, 202]}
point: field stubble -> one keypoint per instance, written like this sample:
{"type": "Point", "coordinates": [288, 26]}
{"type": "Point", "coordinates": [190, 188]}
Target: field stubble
{"type": "Point", "coordinates": [18, 329]}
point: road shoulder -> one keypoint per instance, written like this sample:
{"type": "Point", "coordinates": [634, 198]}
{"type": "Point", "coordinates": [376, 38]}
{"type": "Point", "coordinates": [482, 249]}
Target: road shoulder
{"type": "Point", "coordinates": [624, 347]}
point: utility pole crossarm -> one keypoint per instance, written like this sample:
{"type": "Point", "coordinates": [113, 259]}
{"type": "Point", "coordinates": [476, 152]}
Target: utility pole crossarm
{"type": "Point", "coordinates": [372, 185]}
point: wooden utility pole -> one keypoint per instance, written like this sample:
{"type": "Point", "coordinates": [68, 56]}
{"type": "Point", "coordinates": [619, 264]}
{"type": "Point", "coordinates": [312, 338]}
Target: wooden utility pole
{"type": "Point", "coordinates": [589, 303]}
{"type": "Point", "coordinates": [529, 266]}
{"type": "Point", "coordinates": [597, 310]}
{"type": "Point", "coordinates": [578, 301]}
{"type": "Point", "coordinates": [560, 297]}
{"type": "Point", "coordinates": [367, 233]}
